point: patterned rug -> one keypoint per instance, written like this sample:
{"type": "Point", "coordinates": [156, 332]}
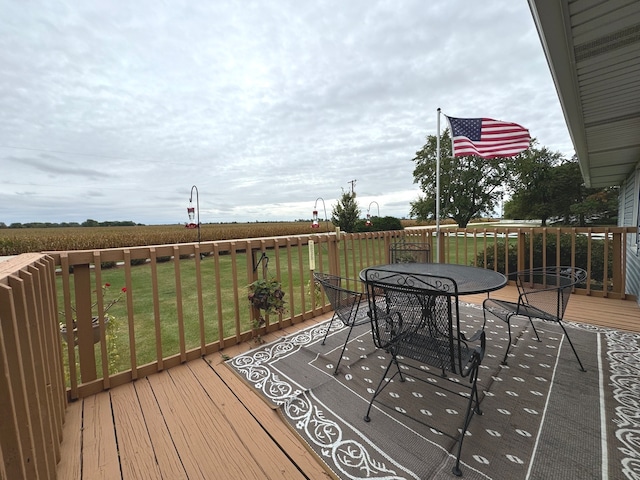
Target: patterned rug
{"type": "Point", "coordinates": [542, 416]}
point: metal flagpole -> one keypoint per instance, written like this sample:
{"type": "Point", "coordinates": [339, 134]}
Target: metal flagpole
{"type": "Point", "coordinates": [438, 184]}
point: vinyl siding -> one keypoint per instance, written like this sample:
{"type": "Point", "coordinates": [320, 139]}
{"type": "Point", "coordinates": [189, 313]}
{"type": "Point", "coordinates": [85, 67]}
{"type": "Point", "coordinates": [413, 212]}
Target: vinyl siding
{"type": "Point", "coordinates": [628, 216]}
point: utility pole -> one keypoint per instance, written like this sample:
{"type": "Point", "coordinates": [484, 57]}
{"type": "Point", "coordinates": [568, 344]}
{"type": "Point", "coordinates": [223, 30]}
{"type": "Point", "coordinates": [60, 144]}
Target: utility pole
{"type": "Point", "coordinates": [353, 186]}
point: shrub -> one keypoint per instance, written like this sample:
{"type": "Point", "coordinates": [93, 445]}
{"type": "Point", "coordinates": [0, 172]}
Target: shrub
{"type": "Point", "coordinates": [581, 252]}
{"type": "Point", "coordinates": [379, 224]}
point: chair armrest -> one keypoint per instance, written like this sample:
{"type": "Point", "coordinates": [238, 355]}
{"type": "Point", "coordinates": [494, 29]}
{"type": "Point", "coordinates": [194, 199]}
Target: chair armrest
{"type": "Point", "coordinates": [474, 337]}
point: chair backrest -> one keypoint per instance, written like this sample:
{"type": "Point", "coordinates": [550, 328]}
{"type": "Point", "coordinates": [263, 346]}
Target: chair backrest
{"type": "Point", "coordinates": [548, 289]}
{"type": "Point", "coordinates": [344, 302]}
{"type": "Point", "coordinates": [402, 252]}
{"type": "Point", "coordinates": [416, 316]}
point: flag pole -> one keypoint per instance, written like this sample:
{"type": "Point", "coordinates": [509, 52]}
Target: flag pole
{"type": "Point", "coordinates": [438, 183]}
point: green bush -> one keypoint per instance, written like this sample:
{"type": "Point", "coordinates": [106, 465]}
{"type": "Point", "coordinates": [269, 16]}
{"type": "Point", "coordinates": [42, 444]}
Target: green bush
{"type": "Point", "coordinates": [379, 224]}
{"type": "Point", "coordinates": [581, 252]}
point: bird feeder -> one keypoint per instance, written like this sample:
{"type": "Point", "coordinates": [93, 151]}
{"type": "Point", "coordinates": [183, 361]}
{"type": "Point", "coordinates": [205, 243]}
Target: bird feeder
{"type": "Point", "coordinates": [315, 223]}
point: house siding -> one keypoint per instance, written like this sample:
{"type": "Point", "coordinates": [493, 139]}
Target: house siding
{"type": "Point", "coordinates": [628, 216]}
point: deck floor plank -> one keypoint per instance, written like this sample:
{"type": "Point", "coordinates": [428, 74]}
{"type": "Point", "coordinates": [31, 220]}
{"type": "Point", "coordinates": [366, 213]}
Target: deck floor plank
{"type": "Point", "coordinates": [169, 461]}
{"type": "Point", "coordinates": [99, 450]}
{"type": "Point", "coordinates": [137, 457]}
{"type": "Point", "coordinates": [258, 443]}
{"type": "Point", "coordinates": [69, 466]}
{"type": "Point", "coordinates": [179, 424]}
{"type": "Point", "coordinates": [204, 433]}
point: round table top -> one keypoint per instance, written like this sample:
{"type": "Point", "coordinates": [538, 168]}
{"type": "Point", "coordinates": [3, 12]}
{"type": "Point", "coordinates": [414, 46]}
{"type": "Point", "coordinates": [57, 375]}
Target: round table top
{"type": "Point", "coordinates": [469, 279]}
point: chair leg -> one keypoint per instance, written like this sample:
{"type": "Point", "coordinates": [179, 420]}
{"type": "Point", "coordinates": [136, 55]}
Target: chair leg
{"type": "Point", "coordinates": [343, 349]}
{"type": "Point", "coordinates": [380, 387]}
{"type": "Point", "coordinates": [572, 347]}
{"type": "Point", "coordinates": [328, 328]}
{"type": "Point", "coordinates": [534, 329]}
{"type": "Point", "coordinates": [474, 392]}
{"type": "Point", "coordinates": [504, 360]}
{"type": "Point", "coordinates": [471, 409]}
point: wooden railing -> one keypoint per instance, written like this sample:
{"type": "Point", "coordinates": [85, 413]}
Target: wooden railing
{"type": "Point", "coordinates": [600, 251]}
{"type": "Point", "coordinates": [32, 393]}
{"type": "Point", "coordinates": [187, 300]}
{"type": "Point", "coordinates": [179, 302]}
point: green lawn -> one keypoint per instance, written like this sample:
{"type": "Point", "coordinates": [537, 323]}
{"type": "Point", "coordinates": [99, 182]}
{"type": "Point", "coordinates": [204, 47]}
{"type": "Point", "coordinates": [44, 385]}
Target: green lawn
{"type": "Point", "coordinates": [354, 255]}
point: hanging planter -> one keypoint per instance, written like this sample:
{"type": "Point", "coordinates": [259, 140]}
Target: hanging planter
{"type": "Point", "coordinates": [268, 297]}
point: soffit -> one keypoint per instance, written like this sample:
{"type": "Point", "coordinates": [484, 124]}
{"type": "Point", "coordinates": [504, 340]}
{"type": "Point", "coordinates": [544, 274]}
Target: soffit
{"type": "Point", "coordinates": [593, 51]}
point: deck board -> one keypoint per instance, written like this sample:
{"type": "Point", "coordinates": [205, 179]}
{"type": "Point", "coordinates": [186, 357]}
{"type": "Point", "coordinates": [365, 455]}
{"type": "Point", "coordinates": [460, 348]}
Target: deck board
{"type": "Point", "coordinates": [191, 445]}
{"type": "Point", "coordinates": [99, 450]}
{"type": "Point", "coordinates": [169, 462]}
{"type": "Point", "coordinates": [199, 420]}
{"type": "Point", "coordinates": [71, 447]}
{"type": "Point", "coordinates": [137, 458]}
{"type": "Point", "coordinates": [259, 445]}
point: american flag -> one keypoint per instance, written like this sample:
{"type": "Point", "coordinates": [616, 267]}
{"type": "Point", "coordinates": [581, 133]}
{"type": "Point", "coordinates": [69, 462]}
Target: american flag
{"type": "Point", "coordinates": [487, 138]}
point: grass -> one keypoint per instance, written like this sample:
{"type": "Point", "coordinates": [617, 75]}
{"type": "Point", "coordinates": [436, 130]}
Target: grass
{"type": "Point", "coordinates": [232, 302]}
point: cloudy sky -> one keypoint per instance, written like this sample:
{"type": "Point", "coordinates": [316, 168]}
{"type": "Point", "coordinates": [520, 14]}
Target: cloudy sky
{"type": "Point", "coordinates": [113, 110]}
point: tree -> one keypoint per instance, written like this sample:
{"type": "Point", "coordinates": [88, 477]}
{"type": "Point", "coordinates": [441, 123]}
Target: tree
{"type": "Point", "coordinates": [346, 212]}
{"type": "Point", "coordinates": [531, 182]}
{"type": "Point", "coordinates": [600, 207]}
{"type": "Point", "coordinates": [469, 185]}
{"type": "Point", "coordinates": [548, 187]}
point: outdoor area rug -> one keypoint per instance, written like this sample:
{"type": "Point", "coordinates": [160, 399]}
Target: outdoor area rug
{"type": "Point", "coordinates": [543, 417]}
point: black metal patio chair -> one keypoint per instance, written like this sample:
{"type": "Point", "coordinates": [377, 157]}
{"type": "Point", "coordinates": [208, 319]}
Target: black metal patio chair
{"type": "Point", "coordinates": [405, 252]}
{"type": "Point", "coordinates": [543, 293]}
{"type": "Point", "coordinates": [345, 304]}
{"type": "Point", "coordinates": [415, 317]}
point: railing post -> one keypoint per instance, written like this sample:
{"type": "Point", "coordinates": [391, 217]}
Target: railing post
{"type": "Point", "coordinates": [387, 245]}
{"type": "Point", "coordinates": [334, 253]}
{"type": "Point", "coordinates": [86, 352]}
{"type": "Point", "coordinates": [441, 251]}
{"type": "Point", "coordinates": [618, 258]}
{"type": "Point", "coordinates": [521, 250]}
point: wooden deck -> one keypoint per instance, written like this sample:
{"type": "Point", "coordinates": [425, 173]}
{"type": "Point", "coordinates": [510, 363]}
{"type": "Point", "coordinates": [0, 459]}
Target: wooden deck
{"type": "Point", "coordinates": [200, 421]}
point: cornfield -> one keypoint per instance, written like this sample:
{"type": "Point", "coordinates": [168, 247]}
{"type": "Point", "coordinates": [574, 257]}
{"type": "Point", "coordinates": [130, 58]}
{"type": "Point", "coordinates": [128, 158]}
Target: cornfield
{"type": "Point", "coordinates": [17, 241]}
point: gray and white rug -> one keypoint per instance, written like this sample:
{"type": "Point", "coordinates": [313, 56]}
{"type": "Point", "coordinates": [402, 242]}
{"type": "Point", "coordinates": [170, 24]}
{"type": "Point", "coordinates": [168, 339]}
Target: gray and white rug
{"type": "Point", "coordinates": [542, 416]}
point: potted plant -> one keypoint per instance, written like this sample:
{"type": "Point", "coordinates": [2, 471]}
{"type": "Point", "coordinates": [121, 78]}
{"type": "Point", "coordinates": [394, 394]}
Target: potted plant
{"type": "Point", "coordinates": [108, 303]}
{"type": "Point", "coordinates": [268, 297]}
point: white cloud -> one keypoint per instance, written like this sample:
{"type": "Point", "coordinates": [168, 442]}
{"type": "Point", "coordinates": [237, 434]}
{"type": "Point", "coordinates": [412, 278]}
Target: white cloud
{"type": "Point", "coordinates": [113, 110]}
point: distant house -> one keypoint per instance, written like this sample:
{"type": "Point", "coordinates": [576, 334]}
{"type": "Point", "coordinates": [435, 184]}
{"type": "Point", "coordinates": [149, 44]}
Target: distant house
{"type": "Point", "coordinates": [593, 52]}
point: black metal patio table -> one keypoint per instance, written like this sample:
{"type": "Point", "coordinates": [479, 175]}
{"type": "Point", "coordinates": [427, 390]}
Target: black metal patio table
{"type": "Point", "coordinates": [468, 279]}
